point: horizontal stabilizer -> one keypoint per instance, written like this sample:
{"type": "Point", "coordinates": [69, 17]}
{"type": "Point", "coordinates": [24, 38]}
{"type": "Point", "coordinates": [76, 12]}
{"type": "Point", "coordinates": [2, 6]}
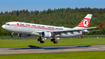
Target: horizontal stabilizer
{"type": "Point", "coordinates": [100, 25]}
{"type": "Point", "coordinates": [94, 30]}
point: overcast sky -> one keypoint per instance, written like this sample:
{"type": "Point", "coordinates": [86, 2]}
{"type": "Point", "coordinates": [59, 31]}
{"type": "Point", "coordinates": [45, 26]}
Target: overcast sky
{"type": "Point", "coordinates": [9, 5]}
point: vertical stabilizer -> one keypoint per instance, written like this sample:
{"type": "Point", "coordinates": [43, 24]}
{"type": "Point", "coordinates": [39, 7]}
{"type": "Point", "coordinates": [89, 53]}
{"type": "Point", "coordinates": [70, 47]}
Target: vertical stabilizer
{"type": "Point", "coordinates": [85, 22]}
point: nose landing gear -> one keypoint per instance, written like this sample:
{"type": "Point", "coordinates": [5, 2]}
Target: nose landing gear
{"type": "Point", "coordinates": [41, 39]}
{"type": "Point", "coordinates": [12, 34]}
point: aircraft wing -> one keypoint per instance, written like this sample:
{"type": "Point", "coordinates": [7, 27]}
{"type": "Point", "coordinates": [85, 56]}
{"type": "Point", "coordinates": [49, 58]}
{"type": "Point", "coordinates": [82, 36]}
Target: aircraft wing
{"type": "Point", "coordinates": [70, 30]}
{"type": "Point", "coordinates": [79, 29]}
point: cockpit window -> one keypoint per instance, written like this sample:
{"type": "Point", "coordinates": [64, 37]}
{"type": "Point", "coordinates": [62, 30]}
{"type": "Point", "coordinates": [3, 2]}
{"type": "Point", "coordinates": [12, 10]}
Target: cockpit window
{"type": "Point", "coordinates": [6, 24]}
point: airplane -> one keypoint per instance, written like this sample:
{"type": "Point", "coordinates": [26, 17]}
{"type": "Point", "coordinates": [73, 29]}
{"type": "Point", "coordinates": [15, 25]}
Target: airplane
{"type": "Point", "coordinates": [47, 31]}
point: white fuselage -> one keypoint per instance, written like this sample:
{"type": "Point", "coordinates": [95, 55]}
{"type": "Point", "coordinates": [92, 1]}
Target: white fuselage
{"type": "Point", "coordinates": [34, 29]}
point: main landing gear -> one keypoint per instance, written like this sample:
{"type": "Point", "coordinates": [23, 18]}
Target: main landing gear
{"type": "Point", "coordinates": [53, 40]}
{"type": "Point", "coordinates": [42, 40]}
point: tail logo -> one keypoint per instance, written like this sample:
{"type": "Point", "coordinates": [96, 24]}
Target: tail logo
{"type": "Point", "coordinates": [85, 22]}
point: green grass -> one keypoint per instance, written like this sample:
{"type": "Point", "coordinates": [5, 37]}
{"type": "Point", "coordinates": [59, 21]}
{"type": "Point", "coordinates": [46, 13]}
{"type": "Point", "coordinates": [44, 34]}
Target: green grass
{"type": "Point", "coordinates": [70, 55]}
{"type": "Point", "coordinates": [61, 42]}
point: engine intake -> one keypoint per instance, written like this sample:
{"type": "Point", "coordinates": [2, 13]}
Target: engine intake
{"type": "Point", "coordinates": [46, 34]}
{"type": "Point", "coordinates": [85, 31]}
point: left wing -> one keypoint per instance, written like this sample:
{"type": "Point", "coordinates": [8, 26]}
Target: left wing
{"type": "Point", "coordinates": [77, 29]}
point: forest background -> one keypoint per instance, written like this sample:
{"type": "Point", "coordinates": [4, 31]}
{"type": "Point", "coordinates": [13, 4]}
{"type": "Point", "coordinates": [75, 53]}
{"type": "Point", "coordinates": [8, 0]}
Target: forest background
{"type": "Point", "coordinates": [66, 17]}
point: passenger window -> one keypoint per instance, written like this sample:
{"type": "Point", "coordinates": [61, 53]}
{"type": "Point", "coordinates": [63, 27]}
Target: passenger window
{"type": "Point", "coordinates": [21, 24]}
{"type": "Point", "coordinates": [38, 26]}
{"type": "Point", "coordinates": [56, 28]}
{"type": "Point", "coordinates": [27, 24]}
{"type": "Point", "coordinates": [33, 25]}
{"type": "Point", "coordinates": [61, 28]}
{"type": "Point", "coordinates": [42, 26]}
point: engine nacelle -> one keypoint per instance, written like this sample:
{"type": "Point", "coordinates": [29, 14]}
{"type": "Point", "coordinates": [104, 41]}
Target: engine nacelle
{"type": "Point", "coordinates": [85, 31]}
{"type": "Point", "coordinates": [23, 35]}
{"type": "Point", "coordinates": [46, 34]}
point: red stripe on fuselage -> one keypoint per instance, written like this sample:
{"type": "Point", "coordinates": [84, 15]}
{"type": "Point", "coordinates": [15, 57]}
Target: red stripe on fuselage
{"type": "Point", "coordinates": [32, 27]}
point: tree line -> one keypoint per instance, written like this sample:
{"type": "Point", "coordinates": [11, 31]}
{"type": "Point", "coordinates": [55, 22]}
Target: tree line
{"type": "Point", "coordinates": [66, 17]}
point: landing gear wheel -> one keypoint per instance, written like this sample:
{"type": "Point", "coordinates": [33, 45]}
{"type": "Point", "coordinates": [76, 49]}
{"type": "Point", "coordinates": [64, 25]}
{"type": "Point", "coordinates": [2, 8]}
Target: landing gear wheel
{"type": "Point", "coordinates": [52, 40]}
{"type": "Point", "coordinates": [55, 42]}
{"type": "Point", "coordinates": [41, 41]}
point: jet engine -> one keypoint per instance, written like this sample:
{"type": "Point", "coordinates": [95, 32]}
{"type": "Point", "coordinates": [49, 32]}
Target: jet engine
{"type": "Point", "coordinates": [85, 31]}
{"type": "Point", "coordinates": [23, 35]}
{"type": "Point", "coordinates": [46, 34]}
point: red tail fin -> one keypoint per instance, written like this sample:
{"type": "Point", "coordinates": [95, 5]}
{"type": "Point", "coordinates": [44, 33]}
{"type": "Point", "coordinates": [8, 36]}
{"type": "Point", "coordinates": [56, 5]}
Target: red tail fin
{"type": "Point", "coordinates": [85, 22]}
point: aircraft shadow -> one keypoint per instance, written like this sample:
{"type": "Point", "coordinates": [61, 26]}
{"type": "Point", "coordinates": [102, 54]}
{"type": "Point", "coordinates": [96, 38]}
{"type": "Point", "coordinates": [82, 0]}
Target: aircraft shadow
{"type": "Point", "coordinates": [49, 48]}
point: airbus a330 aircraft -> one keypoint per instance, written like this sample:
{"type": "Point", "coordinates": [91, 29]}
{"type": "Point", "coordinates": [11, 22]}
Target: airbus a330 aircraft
{"type": "Point", "coordinates": [46, 31]}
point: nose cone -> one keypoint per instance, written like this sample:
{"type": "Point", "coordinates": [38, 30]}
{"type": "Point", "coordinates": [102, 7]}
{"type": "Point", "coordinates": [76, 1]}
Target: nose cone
{"type": "Point", "coordinates": [3, 26]}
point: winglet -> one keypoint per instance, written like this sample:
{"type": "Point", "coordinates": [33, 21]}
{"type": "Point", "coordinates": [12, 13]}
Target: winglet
{"type": "Point", "coordinates": [100, 25]}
